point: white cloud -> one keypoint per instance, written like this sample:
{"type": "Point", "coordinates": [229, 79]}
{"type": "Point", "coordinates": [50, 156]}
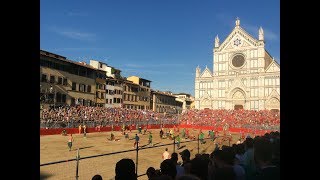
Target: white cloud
{"type": "Point", "coordinates": [74, 34]}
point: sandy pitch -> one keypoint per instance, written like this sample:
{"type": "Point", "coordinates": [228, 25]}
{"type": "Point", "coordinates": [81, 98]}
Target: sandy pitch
{"type": "Point", "coordinates": [54, 148]}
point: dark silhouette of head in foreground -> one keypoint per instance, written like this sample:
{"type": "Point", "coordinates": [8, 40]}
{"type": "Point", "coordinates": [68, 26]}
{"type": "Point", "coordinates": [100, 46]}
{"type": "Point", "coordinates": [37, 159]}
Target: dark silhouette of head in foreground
{"type": "Point", "coordinates": [125, 170]}
{"type": "Point", "coordinates": [97, 177]}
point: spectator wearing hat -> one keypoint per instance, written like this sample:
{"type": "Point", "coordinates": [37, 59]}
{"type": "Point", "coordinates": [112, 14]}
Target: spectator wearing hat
{"type": "Point", "coordinates": [185, 156]}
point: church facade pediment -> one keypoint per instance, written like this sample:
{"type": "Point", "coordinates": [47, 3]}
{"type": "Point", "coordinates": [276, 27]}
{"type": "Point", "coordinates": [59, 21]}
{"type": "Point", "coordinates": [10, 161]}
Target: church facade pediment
{"type": "Point", "coordinates": [206, 73]}
{"type": "Point", "coordinates": [238, 38]}
{"type": "Point", "coordinates": [273, 67]}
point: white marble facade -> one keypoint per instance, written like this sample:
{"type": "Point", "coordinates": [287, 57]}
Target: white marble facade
{"type": "Point", "coordinates": [244, 75]}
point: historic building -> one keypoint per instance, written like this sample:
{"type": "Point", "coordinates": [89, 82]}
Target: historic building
{"type": "Point", "coordinates": [65, 82]}
{"type": "Point", "coordinates": [165, 102]}
{"type": "Point", "coordinates": [114, 84]}
{"type": "Point", "coordinates": [185, 99]}
{"type": "Point", "coordinates": [136, 93]}
{"type": "Point", "coordinates": [244, 76]}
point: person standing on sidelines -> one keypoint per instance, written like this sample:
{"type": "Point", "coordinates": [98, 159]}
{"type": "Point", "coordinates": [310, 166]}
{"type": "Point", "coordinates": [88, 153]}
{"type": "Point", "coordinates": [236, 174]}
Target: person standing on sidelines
{"type": "Point", "coordinates": [70, 140]}
{"type": "Point", "coordinates": [84, 131]}
{"type": "Point", "coordinates": [150, 139]}
{"type": "Point", "coordinates": [136, 142]}
{"type": "Point", "coordinates": [80, 127]}
{"type": "Point", "coordinates": [165, 154]}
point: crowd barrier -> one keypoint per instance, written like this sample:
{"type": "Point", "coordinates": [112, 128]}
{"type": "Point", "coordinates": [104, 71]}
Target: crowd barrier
{"type": "Point", "coordinates": [233, 130]}
{"type": "Point", "coordinates": [44, 131]}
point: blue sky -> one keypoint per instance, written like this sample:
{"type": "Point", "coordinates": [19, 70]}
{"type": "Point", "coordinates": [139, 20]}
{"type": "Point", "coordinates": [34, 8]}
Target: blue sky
{"type": "Point", "coordinates": [160, 40]}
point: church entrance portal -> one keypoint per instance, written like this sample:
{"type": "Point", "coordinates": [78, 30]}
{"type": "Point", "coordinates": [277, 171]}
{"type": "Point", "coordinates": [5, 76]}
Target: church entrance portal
{"type": "Point", "coordinates": [237, 107]}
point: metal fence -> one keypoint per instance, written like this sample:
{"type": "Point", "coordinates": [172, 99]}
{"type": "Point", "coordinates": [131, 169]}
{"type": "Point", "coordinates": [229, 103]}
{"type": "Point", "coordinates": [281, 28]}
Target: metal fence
{"type": "Point", "coordinates": [71, 167]}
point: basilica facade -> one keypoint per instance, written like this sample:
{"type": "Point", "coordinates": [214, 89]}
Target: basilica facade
{"type": "Point", "coordinates": [244, 76]}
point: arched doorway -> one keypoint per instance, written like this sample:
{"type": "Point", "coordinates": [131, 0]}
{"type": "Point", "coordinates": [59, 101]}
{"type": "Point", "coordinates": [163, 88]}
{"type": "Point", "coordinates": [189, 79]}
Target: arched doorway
{"type": "Point", "coordinates": [238, 99]}
{"type": "Point", "coordinates": [206, 103]}
{"type": "Point", "coordinates": [237, 107]}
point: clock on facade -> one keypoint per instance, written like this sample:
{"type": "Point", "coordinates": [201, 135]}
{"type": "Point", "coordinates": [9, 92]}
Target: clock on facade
{"type": "Point", "coordinates": [238, 60]}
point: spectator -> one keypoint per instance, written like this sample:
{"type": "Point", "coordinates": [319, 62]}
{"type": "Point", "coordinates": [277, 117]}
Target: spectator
{"type": "Point", "coordinates": [125, 170]}
{"type": "Point", "coordinates": [248, 159]}
{"type": "Point", "coordinates": [263, 157]}
{"type": "Point", "coordinates": [180, 169]}
{"type": "Point", "coordinates": [165, 154]}
{"type": "Point", "coordinates": [185, 155]}
{"type": "Point", "coordinates": [168, 167]}
{"type": "Point", "coordinates": [151, 173]}
{"type": "Point", "coordinates": [97, 177]}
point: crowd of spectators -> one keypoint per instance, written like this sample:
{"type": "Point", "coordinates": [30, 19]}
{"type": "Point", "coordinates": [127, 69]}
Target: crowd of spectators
{"type": "Point", "coordinates": [264, 119]}
{"type": "Point", "coordinates": [103, 116]}
{"type": "Point", "coordinates": [256, 158]}
{"type": "Point", "coordinates": [94, 116]}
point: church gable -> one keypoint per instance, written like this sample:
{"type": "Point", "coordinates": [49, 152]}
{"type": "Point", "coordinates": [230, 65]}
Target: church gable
{"type": "Point", "coordinates": [206, 73]}
{"type": "Point", "coordinates": [273, 67]}
{"type": "Point", "coordinates": [238, 38]}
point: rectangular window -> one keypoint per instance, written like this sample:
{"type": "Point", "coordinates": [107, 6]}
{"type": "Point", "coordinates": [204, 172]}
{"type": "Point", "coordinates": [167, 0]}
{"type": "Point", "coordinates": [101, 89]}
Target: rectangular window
{"type": "Point", "coordinates": [59, 80]}
{"type": "Point", "coordinates": [58, 97]}
{"type": "Point", "coordinates": [254, 105]}
{"type": "Point", "coordinates": [82, 87]}
{"type": "Point", "coordinates": [74, 85]}
{"type": "Point", "coordinates": [254, 92]}
{"type": "Point", "coordinates": [43, 78]}
{"type": "Point", "coordinates": [97, 94]}
{"type": "Point", "coordinates": [114, 100]}
{"type": "Point", "coordinates": [52, 79]}
{"type": "Point", "coordinates": [219, 93]}
{"type": "Point", "coordinates": [89, 89]}
{"type": "Point", "coordinates": [64, 98]}
{"type": "Point", "coordinates": [266, 82]}
{"type": "Point", "coordinates": [65, 81]}
{"type": "Point", "coordinates": [102, 95]}
{"type": "Point", "coordinates": [110, 101]}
